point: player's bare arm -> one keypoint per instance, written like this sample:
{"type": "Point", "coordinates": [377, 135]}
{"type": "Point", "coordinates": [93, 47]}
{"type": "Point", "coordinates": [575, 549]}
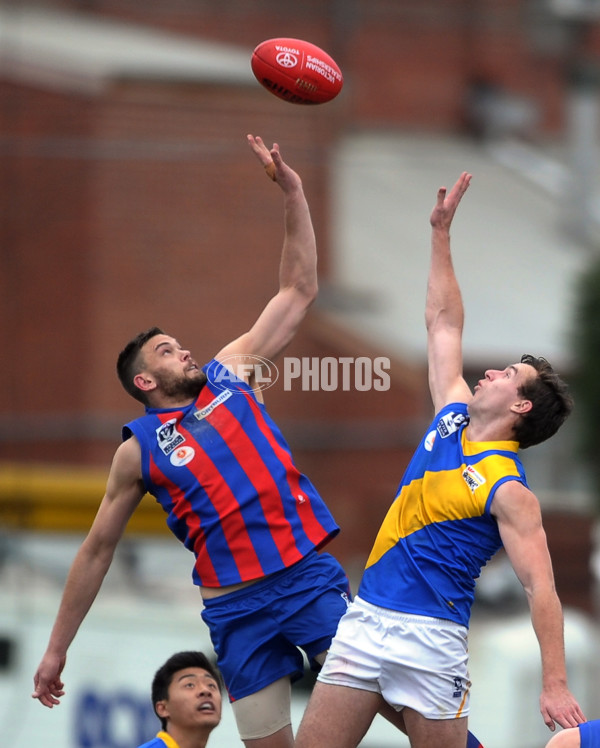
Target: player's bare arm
{"type": "Point", "coordinates": [123, 493]}
{"type": "Point", "coordinates": [444, 312]}
{"type": "Point", "coordinates": [519, 519]}
{"type": "Point", "coordinates": [298, 285]}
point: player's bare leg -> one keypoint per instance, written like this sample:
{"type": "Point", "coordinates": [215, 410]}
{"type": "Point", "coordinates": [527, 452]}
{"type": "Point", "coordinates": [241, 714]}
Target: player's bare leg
{"type": "Point", "coordinates": [435, 733]}
{"type": "Point", "coordinates": [337, 717]}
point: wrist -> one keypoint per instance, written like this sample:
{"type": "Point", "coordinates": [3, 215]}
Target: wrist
{"type": "Point", "coordinates": [554, 680]}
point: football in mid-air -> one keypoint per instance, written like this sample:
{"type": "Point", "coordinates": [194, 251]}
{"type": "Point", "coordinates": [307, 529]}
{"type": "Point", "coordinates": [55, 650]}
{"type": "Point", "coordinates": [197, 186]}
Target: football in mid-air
{"type": "Point", "coordinates": [296, 71]}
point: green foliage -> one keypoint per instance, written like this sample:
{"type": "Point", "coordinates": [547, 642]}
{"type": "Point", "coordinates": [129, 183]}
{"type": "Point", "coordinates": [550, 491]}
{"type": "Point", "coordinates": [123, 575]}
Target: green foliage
{"type": "Point", "coordinates": [586, 382]}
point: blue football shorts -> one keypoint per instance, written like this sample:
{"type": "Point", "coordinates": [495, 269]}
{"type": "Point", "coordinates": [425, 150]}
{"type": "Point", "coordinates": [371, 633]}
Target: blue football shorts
{"type": "Point", "coordinates": [590, 734]}
{"type": "Point", "coordinates": [256, 631]}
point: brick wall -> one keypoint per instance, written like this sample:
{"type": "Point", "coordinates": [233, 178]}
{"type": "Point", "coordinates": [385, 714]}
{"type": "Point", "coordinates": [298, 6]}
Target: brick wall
{"type": "Point", "coordinates": [408, 64]}
{"type": "Point", "coordinates": [142, 205]}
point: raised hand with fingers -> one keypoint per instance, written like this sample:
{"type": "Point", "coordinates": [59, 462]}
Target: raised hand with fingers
{"type": "Point", "coordinates": [274, 165]}
{"type": "Point", "coordinates": [447, 202]}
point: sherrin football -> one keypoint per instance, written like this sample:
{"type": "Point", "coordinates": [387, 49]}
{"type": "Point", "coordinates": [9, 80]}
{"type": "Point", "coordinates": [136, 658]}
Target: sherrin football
{"type": "Point", "coordinates": [296, 71]}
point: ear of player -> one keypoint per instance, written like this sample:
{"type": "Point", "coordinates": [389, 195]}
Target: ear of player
{"type": "Point", "coordinates": [296, 71]}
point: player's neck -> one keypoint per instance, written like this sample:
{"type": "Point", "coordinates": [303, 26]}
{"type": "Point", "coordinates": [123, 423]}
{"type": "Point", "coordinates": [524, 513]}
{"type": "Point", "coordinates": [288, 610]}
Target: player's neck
{"type": "Point", "coordinates": [197, 738]}
{"type": "Point", "coordinates": [494, 431]}
{"type": "Point", "coordinates": [170, 403]}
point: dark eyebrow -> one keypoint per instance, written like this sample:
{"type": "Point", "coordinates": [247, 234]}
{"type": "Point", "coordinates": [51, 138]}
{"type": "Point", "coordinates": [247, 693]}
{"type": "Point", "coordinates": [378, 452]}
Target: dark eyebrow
{"type": "Point", "coordinates": [187, 675]}
{"type": "Point", "coordinates": [196, 676]}
{"type": "Point", "coordinates": [167, 343]}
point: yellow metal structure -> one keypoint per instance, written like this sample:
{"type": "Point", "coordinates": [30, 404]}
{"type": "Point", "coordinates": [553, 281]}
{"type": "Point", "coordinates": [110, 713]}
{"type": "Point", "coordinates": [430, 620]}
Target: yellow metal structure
{"type": "Point", "coordinates": [53, 498]}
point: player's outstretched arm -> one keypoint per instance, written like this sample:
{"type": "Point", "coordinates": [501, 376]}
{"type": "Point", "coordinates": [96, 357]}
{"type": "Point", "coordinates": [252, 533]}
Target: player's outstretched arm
{"type": "Point", "coordinates": [298, 285]}
{"type": "Point", "coordinates": [444, 313]}
{"type": "Point", "coordinates": [123, 493]}
{"type": "Point", "coordinates": [519, 519]}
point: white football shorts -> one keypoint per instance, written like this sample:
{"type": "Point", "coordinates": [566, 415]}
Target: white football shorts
{"type": "Point", "coordinates": [411, 660]}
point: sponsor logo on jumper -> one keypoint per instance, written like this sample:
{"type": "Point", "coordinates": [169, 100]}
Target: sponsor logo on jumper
{"type": "Point", "coordinates": [472, 478]}
{"type": "Point", "coordinates": [182, 455]}
{"type": "Point", "coordinates": [208, 409]}
{"type": "Point", "coordinates": [168, 437]}
{"type": "Point", "coordinates": [430, 440]}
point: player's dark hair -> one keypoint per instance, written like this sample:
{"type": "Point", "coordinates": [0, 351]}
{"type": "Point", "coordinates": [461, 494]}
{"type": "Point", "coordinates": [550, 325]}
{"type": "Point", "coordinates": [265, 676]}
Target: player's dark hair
{"type": "Point", "coordinates": [179, 661]}
{"type": "Point", "coordinates": [551, 404]}
{"type": "Point", "coordinates": [130, 362]}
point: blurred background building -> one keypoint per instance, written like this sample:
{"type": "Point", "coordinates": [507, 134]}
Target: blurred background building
{"type": "Point", "coordinates": [129, 198]}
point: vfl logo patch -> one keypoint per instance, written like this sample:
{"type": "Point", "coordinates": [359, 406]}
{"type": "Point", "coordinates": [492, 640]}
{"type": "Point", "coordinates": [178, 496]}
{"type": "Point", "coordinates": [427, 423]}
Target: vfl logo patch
{"type": "Point", "coordinates": [472, 478]}
{"type": "Point", "coordinates": [168, 437]}
{"type": "Point", "coordinates": [208, 409]}
{"type": "Point", "coordinates": [458, 688]}
{"type": "Point", "coordinates": [182, 455]}
{"type": "Point", "coordinates": [449, 423]}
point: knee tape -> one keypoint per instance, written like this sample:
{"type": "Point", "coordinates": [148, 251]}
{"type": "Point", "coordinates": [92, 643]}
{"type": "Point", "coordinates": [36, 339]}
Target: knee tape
{"type": "Point", "coordinates": [265, 712]}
